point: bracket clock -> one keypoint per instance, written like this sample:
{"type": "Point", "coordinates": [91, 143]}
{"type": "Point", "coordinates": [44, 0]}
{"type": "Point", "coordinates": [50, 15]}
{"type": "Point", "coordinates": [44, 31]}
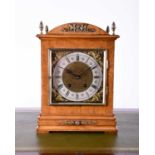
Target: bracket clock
{"type": "Point", "coordinates": [77, 71]}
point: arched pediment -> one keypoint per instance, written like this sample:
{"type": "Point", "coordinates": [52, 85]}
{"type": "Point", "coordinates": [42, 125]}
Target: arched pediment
{"type": "Point", "coordinates": [77, 28]}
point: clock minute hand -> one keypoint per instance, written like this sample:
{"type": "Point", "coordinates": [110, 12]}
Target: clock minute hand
{"type": "Point", "coordinates": [68, 71]}
{"type": "Point", "coordinates": [84, 71]}
{"type": "Point", "coordinates": [71, 72]}
{"type": "Point", "coordinates": [87, 70]}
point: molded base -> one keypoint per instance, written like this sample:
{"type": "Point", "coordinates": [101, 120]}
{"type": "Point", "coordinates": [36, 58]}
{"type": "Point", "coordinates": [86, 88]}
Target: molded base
{"type": "Point", "coordinates": [48, 124]}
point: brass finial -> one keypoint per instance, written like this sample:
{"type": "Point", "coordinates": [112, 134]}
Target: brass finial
{"type": "Point", "coordinates": [41, 26]}
{"type": "Point", "coordinates": [46, 29]}
{"type": "Point", "coordinates": [107, 29]}
{"type": "Point", "coordinates": [113, 28]}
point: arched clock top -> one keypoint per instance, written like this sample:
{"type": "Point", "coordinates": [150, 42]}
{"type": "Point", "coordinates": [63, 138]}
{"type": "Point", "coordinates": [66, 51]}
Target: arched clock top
{"type": "Point", "coordinates": [78, 29]}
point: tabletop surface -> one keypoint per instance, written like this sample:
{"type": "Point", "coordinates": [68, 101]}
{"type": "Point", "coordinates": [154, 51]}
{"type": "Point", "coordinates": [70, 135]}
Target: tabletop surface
{"type": "Point", "coordinates": [126, 140]}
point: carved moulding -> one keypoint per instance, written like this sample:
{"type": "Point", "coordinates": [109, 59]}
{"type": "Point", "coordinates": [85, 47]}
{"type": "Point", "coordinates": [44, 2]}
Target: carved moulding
{"type": "Point", "coordinates": [78, 28]}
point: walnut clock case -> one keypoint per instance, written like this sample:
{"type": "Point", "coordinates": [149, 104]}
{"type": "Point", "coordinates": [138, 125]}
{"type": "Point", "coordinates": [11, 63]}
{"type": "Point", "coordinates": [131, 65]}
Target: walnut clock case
{"type": "Point", "coordinates": [77, 66]}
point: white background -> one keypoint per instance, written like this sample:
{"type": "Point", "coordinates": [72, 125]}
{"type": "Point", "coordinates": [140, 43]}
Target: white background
{"type": "Point", "coordinates": [29, 13]}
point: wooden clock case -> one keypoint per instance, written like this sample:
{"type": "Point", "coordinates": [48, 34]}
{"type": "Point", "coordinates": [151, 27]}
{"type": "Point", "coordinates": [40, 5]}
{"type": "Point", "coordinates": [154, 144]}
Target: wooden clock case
{"type": "Point", "coordinates": [76, 117]}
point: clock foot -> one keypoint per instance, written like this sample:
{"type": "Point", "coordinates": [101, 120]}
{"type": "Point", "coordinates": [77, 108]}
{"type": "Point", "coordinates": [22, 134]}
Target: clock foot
{"type": "Point", "coordinates": [40, 131]}
{"type": "Point", "coordinates": [52, 129]}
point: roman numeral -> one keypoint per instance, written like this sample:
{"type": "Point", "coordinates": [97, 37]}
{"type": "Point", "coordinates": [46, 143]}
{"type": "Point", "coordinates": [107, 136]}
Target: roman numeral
{"type": "Point", "coordinates": [94, 67]}
{"type": "Point", "coordinates": [67, 93]}
{"type": "Point", "coordinates": [87, 60]}
{"type": "Point", "coordinates": [60, 67]}
{"type": "Point", "coordinates": [77, 57]}
{"type": "Point", "coordinates": [94, 86]}
{"type": "Point", "coordinates": [87, 94]}
{"type": "Point", "coordinates": [96, 77]}
{"type": "Point", "coordinates": [57, 76]}
{"type": "Point", "coordinates": [77, 96]}
{"type": "Point", "coordinates": [60, 86]}
{"type": "Point", "coordinates": [67, 59]}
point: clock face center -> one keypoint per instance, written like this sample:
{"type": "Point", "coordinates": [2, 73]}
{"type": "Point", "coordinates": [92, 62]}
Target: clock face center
{"type": "Point", "coordinates": [77, 76]}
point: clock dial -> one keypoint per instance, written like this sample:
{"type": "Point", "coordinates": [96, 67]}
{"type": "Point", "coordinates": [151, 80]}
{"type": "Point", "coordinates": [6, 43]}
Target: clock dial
{"type": "Point", "coordinates": [74, 78]}
{"type": "Point", "coordinates": [77, 76]}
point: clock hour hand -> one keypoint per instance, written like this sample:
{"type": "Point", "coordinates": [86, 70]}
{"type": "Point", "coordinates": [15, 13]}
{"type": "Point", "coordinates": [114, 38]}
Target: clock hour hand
{"type": "Point", "coordinates": [71, 72]}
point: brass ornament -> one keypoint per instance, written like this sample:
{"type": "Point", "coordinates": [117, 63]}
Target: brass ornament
{"type": "Point", "coordinates": [41, 27]}
{"type": "Point", "coordinates": [97, 97]}
{"type": "Point", "coordinates": [108, 29]}
{"type": "Point", "coordinates": [113, 28]}
{"type": "Point", "coordinates": [98, 56]}
{"type": "Point", "coordinates": [46, 29]}
{"type": "Point", "coordinates": [78, 28]}
{"type": "Point", "coordinates": [78, 122]}
{"type": "Point", "coordinates": [57, 96]}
